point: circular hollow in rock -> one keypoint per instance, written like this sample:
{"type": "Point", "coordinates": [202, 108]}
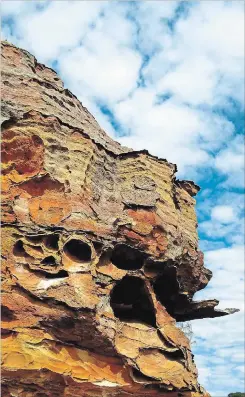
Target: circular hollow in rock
{"type": "Point", "coordinates": [127, 258]}
{"type": "Point", "coordinates": [19, 250]}
{"type": "Point", "coordinates": [78, 251]}
{"type": "Point", "coordinates": [49, 261]}
{"type": "Point", "coordinates": [52, 242]}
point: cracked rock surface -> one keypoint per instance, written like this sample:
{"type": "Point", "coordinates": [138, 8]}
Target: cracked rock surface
{"type": "Point", "coordinates": [100, 252]}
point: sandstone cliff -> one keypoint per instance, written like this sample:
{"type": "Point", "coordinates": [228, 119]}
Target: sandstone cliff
{"type": "Point", "coordinates": [100, 252]}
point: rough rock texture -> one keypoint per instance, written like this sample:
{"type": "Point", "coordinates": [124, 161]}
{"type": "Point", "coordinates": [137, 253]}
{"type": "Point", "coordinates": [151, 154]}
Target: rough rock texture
{"type": "Point", "coordinates": [99, 252]}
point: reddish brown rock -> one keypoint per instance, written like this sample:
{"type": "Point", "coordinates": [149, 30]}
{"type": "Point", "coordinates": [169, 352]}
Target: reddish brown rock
{"type": "Point", "coordinates": [99, 252]}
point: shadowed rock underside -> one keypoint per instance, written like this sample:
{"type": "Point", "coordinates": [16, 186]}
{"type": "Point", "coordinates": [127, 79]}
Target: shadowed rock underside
{"type": "Point", "coordinates": [99, 252]}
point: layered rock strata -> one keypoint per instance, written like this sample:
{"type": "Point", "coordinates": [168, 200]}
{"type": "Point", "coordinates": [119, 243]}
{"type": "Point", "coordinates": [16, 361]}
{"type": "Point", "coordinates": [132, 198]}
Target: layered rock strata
{"type": "Point", "coordinates": [100, 256]}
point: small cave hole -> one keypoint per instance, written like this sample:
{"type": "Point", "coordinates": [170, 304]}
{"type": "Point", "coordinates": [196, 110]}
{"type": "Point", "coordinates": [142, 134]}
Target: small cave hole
{"type": "Point", "coordinates": [34, 239]}
{"type": "Point", "coordinates": [51, 242]}
{"type": "Point", "coordinates": [127, 258]}
{"type": "Point", "coordinates": [166, 288]}
{"type": "Point", "coordinates": [7, 314]}
{"type": "Point", "coordinates": [60, 274]}
{"type": "Point", "coordinates": [49, 261]}
{"type": "Point", "coordinates": [176, 355]}
{"type": "Point", "coordinates": [130, 301]}
{"type": "Point", "coordinates": [138, 376]}
{"type": "Point", "coordinates": [78, 251]}
{"type": "Point", "coordinates": [19, 249]}
{"type": "Point", "coordinates": [155, 387]}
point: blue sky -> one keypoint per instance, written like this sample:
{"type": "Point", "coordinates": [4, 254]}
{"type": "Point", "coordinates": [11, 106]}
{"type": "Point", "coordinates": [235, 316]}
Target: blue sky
{"type": "Point", "coordinates": [167, 76]}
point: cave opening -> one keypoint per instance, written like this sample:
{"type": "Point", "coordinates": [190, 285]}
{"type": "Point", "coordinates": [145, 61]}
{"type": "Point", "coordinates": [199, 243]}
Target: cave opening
{"type": "Point", "coordinates": [51, 242]}
{"type": "Point", "coordinates": [19, 250]}
{"type": "Point", "coordinates": [127, 258]}
{"type": "Point", "coordinates": [60, 274]}
{"type": "Point", "coordinates": [36, 239]}
{"type": "Point", "coordinates": [166, 288]}
{"type": "Point", "coordinates": [6, 313]}
{"type": "Point", "coordinates": [49, 261]}
{"type": "Point", "coordinates": [140, 377]}
{"type": "Point", "coordinates": [130, 301]}
{"type": "Point", "coordinates": [78, 251]}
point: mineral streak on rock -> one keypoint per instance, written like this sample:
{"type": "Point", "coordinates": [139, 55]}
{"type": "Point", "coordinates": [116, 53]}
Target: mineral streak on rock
{"type": "Point", "coordinates": [99, 252]}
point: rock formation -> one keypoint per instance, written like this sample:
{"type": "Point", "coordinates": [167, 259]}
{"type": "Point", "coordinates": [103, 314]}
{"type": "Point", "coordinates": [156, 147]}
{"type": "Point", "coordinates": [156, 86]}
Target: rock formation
{"type": "Point", "coordinates": [99, 252]}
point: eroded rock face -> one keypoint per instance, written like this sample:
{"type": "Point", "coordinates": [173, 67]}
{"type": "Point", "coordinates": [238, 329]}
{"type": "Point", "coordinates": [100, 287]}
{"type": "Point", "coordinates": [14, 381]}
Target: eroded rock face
{"type": "Point", "coordinates": [99, 252]}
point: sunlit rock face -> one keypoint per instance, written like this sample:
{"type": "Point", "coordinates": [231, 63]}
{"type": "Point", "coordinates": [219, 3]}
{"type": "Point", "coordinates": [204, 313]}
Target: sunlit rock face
{"type": "Point", "coordinates": [99, 252]}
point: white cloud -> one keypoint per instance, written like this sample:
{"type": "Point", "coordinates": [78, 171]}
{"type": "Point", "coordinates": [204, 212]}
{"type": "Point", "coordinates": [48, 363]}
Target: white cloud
{"type": "Point", "coordinates": [227, 284]}
{"type": "Point", "coordinates": [210, 198]}
{"type": "Point", "coordinates": [68, 22]}
{"type": "Point", "coordinates": [185, 83]}
{"type": "Point", "coordinates": [178, 132]}
{"type": "Point", "coordinates": [14, 8]}
{"type": "Point", "coordinates": [152, 17]}
{"type": "Point", "coordinates": [240, 368]}
{"type": "Point", "coordinates": [205, 55]}
{"type": "Point", "coordinates": [226, 213]}
{"type": "Point", "coordinates": [231, 160]}
{"type": "Point", "coordinates": [219, 342]}
{"type": "Point", "coordinates": [209, 29]}
{"type": "Point", "coordinates": [231, 232]}
{"type": "Point", "coordinates": [223, 213]}
{"type": "Point", "coordinates": [116, 75]}
{"type": "Point", "coordinates": [219, 353]}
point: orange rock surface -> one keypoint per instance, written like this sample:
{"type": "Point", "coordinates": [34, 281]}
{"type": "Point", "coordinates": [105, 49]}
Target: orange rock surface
{"type": "Point", "coordinates": [100, 256]}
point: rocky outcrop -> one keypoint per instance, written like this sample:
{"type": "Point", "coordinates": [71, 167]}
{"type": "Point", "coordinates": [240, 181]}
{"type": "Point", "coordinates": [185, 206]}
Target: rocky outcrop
{"type": "Point", "coordinates": [100, 252]}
